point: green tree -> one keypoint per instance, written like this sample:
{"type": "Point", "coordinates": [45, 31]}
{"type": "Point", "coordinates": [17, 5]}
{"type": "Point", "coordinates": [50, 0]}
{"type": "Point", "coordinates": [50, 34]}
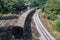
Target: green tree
{"type": "Point", "coordinates": [52, 6]}
{"type": "Point", "coordinates": [1, 5]}
{"type": "Point", "coordinates": [35, 3]}
{"type": "Point", "coordinates": [13, 5]}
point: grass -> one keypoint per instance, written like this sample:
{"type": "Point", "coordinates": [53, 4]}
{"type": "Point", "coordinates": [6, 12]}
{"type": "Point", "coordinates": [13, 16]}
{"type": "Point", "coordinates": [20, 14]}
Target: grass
{"type": "Point", "coordinates": [48, 25]}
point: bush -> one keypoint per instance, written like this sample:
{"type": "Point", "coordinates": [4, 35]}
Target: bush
{"type": "Point", "coordinates": [45, 15]}
{"type": "Point", "coordinates": [57, 25]}
{"type": "Point", "coordinates": [11, 5]}
{"type": "Point", "coordinates": [35, 3]}
{"type": "Point", "coordinates": [52, 6]}
{"type": "Point", "coordinates": [50, 16]}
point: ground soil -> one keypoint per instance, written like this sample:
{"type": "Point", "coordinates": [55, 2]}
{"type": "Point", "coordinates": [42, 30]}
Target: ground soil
{"type": "Point", "coordinates": [35, 33]}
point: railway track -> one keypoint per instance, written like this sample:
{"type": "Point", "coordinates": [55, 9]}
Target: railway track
{"type": "Point", "coordinates": [45, 35]}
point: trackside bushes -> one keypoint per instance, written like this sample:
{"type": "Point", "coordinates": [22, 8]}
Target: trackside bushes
{"type": "Point", "coordinates": [56, 25]}
{"type": "Point", "coordinates": [50, 16]}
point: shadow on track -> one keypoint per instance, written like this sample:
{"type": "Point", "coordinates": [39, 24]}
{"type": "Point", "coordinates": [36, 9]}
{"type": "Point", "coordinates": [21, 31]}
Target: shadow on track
{"type": "Point", "coordinates": [27, 26]}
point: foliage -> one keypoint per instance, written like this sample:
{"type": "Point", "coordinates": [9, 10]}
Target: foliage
{"type": "Point", "coordinates": [35, 3]}
{"type": "Point", "coordinates": [50, 16]}
{"type": "Point", "coordinates": [52, 6]}
{"type": "Point", "coordinates": [11, 5]}
{"type": "Point", "coordinates": [1, 5]}
{"type": "Point", "coordinates": [57, 25]}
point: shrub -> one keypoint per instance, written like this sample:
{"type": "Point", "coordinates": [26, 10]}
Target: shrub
{"type": "Point", "coordinates": [35, 3]}
{"type": "Point", "coordinates": [57, 25]}
{"type": "Point", "coordinates": [52, 6]}
{"type": "Point", "coordinates": [50, 16]}
{"type": "Point", "coordinates": [11, 5]}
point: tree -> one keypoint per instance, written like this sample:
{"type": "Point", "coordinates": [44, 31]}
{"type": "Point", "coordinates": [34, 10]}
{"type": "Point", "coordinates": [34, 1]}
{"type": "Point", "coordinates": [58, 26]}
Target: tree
{"type": "Point", "coordinates": [52, 6]}
{"type": "Point", "coordinates": [1, 5]}
{"type": "Point", "coordinates": [11, 5]}
{"type": "Point", "coordinates": [35, 3]}
{"type": "Point", "coordinates": [14, 5]}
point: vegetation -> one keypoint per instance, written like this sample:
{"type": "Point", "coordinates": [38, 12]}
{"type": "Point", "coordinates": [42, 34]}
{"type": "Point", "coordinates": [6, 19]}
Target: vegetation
{"type": "Point", "coordinates": [11, 5]}
{"type": "Point", "coordinates": [35, 3]}
{"type": "Point", "coordinates": [50, 16]}
{"type": "Point", "coordinates": [51, 9]}
{"type": "Point", "coordinates": [57, 25]}
{"type": "Point", "coordinates": [52, 6]}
